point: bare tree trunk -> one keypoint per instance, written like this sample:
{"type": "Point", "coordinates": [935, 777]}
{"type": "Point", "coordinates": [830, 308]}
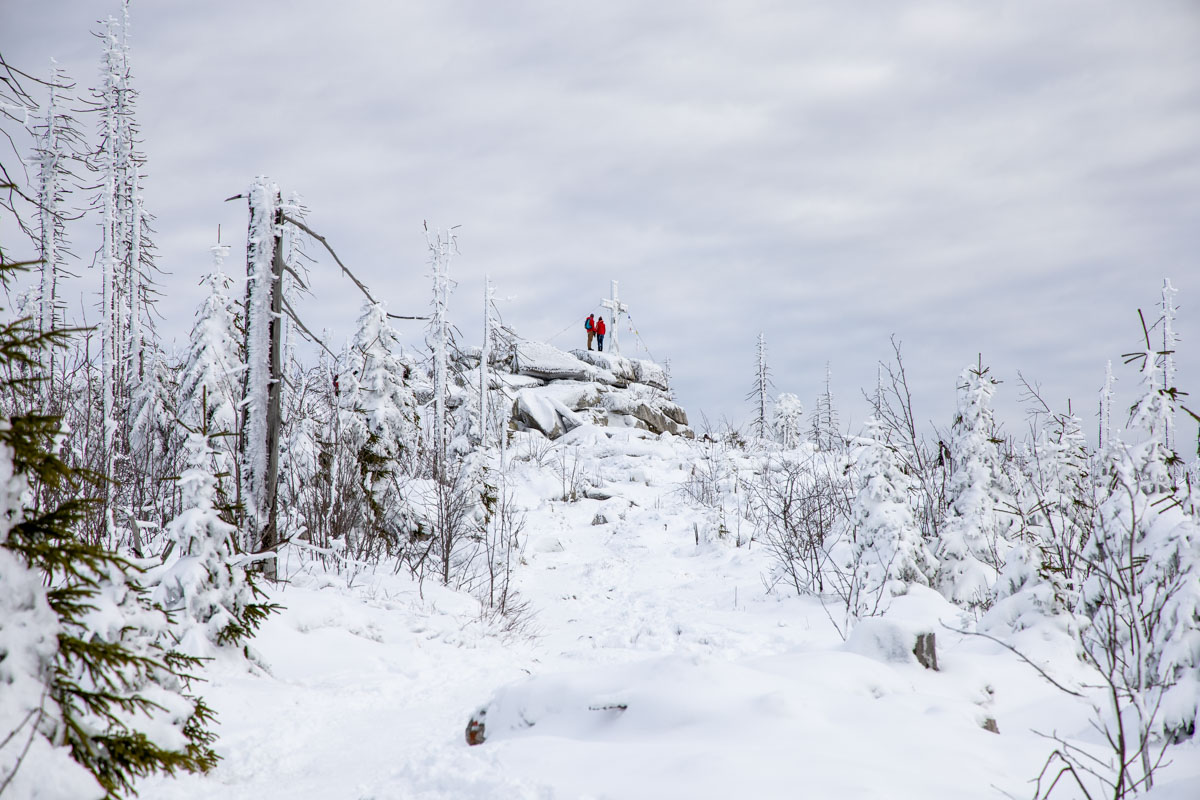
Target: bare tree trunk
{"type": "Point", "coordinates": [270, 537]}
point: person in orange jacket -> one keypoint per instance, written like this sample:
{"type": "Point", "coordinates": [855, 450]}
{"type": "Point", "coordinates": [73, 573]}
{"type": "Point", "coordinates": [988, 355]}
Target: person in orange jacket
{"type": "Point", "coordinates": [589, 325]}
{"type": "Point", "coordinates": [600, 330]}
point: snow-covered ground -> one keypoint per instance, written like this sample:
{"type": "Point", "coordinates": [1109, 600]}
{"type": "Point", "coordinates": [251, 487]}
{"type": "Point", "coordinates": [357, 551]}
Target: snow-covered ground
{"type": "Point", "coordinates": [651, 667]}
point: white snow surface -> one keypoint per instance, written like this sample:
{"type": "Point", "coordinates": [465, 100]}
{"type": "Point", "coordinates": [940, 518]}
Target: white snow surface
{"type": "Point", "coordinates": [728, 691]}
{"type": "Point", "coordinates": [543, 360]}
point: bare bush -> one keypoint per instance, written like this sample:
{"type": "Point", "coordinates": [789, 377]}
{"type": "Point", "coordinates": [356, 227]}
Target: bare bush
{"type": "Point", "coordinates": [798, 504]}
{"type": "Point", "coordinates": [929, 465]}
{"type": "Point", "coordinates": [454, 502]}
{"type": "Point", "coordinates": [503, 544]}
{"type": "Point", "coordinates": [569, 469]}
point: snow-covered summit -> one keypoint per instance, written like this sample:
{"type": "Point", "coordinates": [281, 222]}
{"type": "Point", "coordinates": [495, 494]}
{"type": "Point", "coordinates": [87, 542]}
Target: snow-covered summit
{"type": "Point", "coordinates": [554, 391]}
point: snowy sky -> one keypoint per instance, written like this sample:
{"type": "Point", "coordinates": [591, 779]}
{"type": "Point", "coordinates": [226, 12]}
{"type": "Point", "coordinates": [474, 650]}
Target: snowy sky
{"type": "Point", "coordinates": [1011, 178]}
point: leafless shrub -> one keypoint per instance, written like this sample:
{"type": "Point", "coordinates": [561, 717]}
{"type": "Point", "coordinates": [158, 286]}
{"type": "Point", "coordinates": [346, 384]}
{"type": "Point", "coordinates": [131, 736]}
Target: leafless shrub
{"type": "Point", "coordinates": [503, 544]}
{"type": "Point", "coordinates": [798, 504]}
{"type": "Point", "coordinates": [569, 468]}
{"type": "Point", "coordinates": [537, 449]}
{"type": "Point", "coordinates": [929, 464]}
{"type": "Point", "coordinates": [454, 503]}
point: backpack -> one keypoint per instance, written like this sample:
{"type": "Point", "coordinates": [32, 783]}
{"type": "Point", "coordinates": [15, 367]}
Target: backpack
{"type": "Point", "coordinates": [587, 324]}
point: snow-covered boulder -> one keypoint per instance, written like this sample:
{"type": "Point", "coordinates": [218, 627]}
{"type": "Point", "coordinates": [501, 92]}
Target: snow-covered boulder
{"type": "Point", "coordinates": [545, 361]}
{"type": "Point", "coordinates": [626, 370]}
{"type": "Point", "coordinates": [544, 413]}
{"type": "Point", "coordinates": [575, 395]}
{"type": "Point", "coordinates": [882, 640]}
{"type": "Point", "coordinates": [555, 391]}
{"type": "Point", "coordinates": [647, 406]}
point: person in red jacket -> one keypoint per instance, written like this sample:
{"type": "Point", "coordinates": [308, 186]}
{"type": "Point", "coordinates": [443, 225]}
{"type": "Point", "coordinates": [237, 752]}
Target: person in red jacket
{"type": "Point", "coordinates": [600, 330]}
{"type": "Point", "coordinates": [589, 325]}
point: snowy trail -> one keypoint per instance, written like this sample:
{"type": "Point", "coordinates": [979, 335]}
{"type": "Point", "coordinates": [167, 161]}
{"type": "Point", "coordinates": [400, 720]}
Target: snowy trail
{"type": "Point", "coordinates": [730, 692]}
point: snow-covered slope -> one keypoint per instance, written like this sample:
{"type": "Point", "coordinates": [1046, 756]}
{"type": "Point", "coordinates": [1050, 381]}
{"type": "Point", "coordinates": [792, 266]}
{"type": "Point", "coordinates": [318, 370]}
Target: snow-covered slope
{"type": "Point", "coordinates": [652, 664]}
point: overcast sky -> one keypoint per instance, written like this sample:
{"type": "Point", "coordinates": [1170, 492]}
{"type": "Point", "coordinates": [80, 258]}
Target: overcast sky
{"type": "Point", "coordinates": [1007, 178]}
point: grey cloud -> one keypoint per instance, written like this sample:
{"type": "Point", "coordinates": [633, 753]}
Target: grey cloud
{"type": "Point", "coordinates": [1014, 178]}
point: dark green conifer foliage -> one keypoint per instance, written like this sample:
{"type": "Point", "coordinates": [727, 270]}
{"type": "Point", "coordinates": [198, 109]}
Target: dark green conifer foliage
{"type": "Point", "coordinates": [95, 683]}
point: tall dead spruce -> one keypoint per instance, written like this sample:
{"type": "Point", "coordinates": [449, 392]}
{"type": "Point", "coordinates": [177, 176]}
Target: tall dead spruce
{"type": "Point", "coordinates": [261, 407]}
{"type": "Point", "coordinates": [269, 229]}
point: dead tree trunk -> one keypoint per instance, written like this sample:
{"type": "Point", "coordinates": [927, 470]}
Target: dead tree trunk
{"type": "Point", "coordinates": [270, 535]}
{"type": "Point", "coordinates": [259, 440]}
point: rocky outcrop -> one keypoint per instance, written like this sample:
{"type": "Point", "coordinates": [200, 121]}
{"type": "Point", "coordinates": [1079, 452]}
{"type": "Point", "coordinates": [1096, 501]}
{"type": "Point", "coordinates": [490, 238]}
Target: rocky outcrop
{"type": "Point", "coordinates": [625, 370]}
{"type": "Point", "coordinates": [582, 386]}
{"type": "Point", "coordinates": [544, 361]}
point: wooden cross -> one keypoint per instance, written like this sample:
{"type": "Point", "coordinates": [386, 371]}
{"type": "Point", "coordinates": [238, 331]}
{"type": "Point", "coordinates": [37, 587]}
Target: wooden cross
{"type": "Point", "coordinates": [615, 306]}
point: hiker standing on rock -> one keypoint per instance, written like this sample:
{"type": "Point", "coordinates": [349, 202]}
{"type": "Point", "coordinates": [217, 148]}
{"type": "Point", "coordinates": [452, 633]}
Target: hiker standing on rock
{"type": "Point", "coordinates": [589, 325]}
{"type": "Point", "coordinates": [600, 329]}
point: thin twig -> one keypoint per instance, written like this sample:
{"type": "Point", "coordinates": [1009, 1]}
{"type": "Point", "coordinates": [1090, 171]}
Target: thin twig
{"type": "Point", "coordinates": [361, 286]}
{"type": "Point", "coordinates": [33, 730]}
{"type": "Point", "coordinates": [296, 319]}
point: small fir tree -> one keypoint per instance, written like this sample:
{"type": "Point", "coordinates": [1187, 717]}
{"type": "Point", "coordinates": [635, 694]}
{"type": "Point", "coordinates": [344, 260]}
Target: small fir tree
{"type": "Point", "coordinates": [82, 657]}
{"type": "Point", "coordinates": [1045, 568]}
{"type": "Point", "coordinates": [888, 553]}
{"type": "Point", "coordinates": [825, 433]}
{"type": "Point", "coordinates": [788, 420]}
{"type": "Point", "coordinates": [205, 583]}
{"type": "Point", "coordinates": [760, 393]}
{"type": "Point", "coordinates": [1142, 598]}
{"type": "Point", "coordinates": [974, 543]}
{"type": "Point", "coordinates": [209, 386]}
{"type": "Point", "coordinates": [58, 143]}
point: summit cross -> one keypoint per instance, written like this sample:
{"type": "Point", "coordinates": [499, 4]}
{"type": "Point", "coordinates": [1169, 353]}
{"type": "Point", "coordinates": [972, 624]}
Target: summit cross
{"type": "Point", "coordinates": [615, 307]}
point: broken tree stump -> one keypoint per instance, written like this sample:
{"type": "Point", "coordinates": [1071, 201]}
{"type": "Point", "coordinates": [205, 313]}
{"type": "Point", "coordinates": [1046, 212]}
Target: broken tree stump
{"type": "Point", "coordinates": [926, 651]}
{"type": "Point", "coordinates": [475, 728]}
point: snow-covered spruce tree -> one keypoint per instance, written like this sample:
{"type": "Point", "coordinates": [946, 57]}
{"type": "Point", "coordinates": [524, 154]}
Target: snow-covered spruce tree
{"type": "Point", "coordinates": [380, 425]}
{"type": "Point", "coordinates": [383, 394]}
{"type": "Point", "coordinates": [1142, 597]}
{"type": "Point", "coordinates": [210, 382]}
{"type": "Point", "coordinates": [86, 677]}
{"type": "Point", "coordinates": [126, 260]}
{"type": "Point", "coordinates": [1045, 568]}
{"type": "Point", "coordinates": [346, 491]}
{"type": "Point", "coordinates": [204, 583]}
{"type": "Point", "coordinates": [761, 390]}
{"type": "Point", "coordinates": [974, 536]}
{"type": "Point", "coordinates": [1167, 325]}
{"type": "Point", "coordinates": [1104, 430]}
{"type": "Point", "coordinates": [442, 248]}
{"type": "Point", "coordinates": [308, 436]}
{"type": "Point", "coordinates": [110, 162]}
{"type": "Point", "coordinates": [886, 552]}
{"type": "Point", "coordinates": [153, 455]}
{"type": "Point", "coordinates": [309, 415]}
{"type": "Point", "coordinates": [58, 144]}
{"type": "Point", "coordinates": [485, 364]}
{"type": "Point", "coordinates": [787, 420]}
{"type": "Point", "coordinates": [825, 433]}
